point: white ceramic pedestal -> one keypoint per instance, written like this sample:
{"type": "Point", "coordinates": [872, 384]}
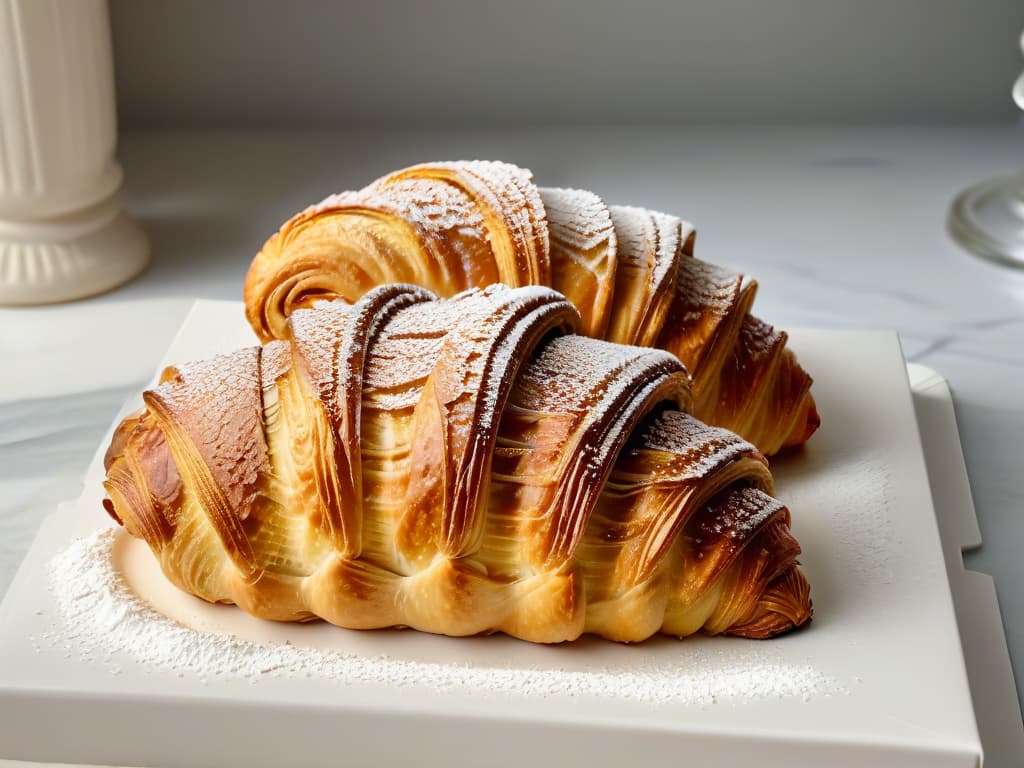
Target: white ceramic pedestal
{"type": "Point", "coordinates": [62, 232]}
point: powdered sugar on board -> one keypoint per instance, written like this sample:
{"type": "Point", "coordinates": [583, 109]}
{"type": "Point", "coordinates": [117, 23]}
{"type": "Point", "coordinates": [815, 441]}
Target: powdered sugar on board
{"type": "Point", "coordinates": [101, 620]}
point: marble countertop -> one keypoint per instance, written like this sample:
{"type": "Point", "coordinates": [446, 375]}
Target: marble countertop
{"type": "Point", "coordinates": [843, 228]}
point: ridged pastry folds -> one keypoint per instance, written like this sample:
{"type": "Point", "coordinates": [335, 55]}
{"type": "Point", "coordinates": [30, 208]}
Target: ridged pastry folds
{"type": "Point", "coordinates": [630, 272]}
{"type": "Point", "coordinates": [458, 466]}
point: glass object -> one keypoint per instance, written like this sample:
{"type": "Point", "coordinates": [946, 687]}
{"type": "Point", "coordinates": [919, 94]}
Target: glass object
{"type": "Point", "coordinates": [988, 218]}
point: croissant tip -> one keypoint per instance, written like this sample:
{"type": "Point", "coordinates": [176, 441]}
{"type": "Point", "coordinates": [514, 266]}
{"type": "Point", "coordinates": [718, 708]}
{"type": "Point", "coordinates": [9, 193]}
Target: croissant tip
{"type": "Point", "coordinates": [119, 439]}
{"type": "Point", "coordinates": [804, 428]}
{"type": "Point", "coordinates": [784, 607]}
{"type": "Point", "coordinates": [108, 505]}
{"type": "Point", "coordinates": [813, 420]}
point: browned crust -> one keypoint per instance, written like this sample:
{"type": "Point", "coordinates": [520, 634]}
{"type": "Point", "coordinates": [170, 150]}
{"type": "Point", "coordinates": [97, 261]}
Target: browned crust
{"type": "Point", "coordinates": [210, 414]}
{"type": "Point", "coordinates": [332, 345]}
{"type": "Point", "coordinates": [650, 246]}
{"type": "Point", "coordinates": [584, 252]}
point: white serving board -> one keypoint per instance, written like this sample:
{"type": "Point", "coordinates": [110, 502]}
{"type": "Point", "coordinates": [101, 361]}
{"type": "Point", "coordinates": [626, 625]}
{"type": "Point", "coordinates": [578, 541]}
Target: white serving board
{"type": "Point", "coordinates": [884, 631]}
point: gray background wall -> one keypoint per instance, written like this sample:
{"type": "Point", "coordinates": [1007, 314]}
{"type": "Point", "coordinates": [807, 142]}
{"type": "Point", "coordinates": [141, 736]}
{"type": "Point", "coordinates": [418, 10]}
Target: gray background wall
{"type": "Point", "coordinates": [220, 64]}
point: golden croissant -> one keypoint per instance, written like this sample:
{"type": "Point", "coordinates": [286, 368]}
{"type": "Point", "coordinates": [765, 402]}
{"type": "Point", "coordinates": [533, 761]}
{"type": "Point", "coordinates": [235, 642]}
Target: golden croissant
{"type": "Point", "coordinates": [459, 466]}
{"type": "Point", "coordinates": [630, 272]}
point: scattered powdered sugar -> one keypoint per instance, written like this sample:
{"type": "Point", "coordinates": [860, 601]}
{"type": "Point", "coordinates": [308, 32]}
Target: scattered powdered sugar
{"type": "Point", "coordinates": [861, 519]}
{"type": "Point", "coordinates": [104, 618]}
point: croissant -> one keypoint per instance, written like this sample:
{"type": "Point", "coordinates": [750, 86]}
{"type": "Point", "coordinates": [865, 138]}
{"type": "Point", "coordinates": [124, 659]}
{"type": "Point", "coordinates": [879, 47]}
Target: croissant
{"type": "Point", "coordinates": [458, 466]}
{"type": "Point", "coordinates": [630, 272]}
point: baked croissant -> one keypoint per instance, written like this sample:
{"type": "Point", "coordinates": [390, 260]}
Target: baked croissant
{"type": "Point", "coordinates": [460, 467]}
{"type": "Point", "coordinates": [629, 271]}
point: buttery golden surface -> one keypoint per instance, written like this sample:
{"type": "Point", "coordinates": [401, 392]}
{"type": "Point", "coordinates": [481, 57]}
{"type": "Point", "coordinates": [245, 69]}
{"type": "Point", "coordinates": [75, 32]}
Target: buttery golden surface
{"type": "Point", "coordinates": [458, 466]}
{"type": "Point", "coordinates": [630, 273]}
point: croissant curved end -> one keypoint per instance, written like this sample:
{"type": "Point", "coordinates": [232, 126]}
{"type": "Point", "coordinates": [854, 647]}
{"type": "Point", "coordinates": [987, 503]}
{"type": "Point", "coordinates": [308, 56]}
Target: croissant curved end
{"type": "Point", "coordinates": [804, 427]}
{"type": "Point", "coordinates": [142, 481]}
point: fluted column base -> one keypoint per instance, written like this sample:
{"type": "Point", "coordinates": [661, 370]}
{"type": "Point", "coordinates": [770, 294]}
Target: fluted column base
{"type": "Point", "coordinates": [70, 257]}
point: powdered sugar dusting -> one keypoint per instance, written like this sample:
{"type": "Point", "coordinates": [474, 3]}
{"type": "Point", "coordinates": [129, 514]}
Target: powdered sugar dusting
{"type": "Point", "coordinates": [757, 341]}
{"type": "Point", "coordinates": [506, 190]}
{"type": "Point", "coordinates": [577, 219]}
{"type": "Point", "coordinates": [861, 518]}
{"type": "Point", "coordinates": [648, 239]}
{"type": "Point", "coordinates": [430, 204]}
{"type": "Point", "coordinates": [406, 350]}
{"type": "Point", "coordinates": [575, 372]}
{"type": "Point", "coordinates": [743, 511]}
{"type": "Point", "coordinates": [103, 620]}
{"type": "Point", "coordinates": [225, 391]}
{"type": "Point", "coordinates": [700, 448]}
{"type": "Point", "coordinates": [706, 288]}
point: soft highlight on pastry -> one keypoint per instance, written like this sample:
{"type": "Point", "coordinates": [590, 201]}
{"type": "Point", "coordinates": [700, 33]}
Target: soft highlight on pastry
{"type": "Point", "coordinates": [459, 466]}
{"type": "Point", "coordinates": [629, 271]}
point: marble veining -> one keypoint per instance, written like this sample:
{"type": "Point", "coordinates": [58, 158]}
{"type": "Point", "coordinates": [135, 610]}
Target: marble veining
{"type": "Point", "coordinates": [45, 444]}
